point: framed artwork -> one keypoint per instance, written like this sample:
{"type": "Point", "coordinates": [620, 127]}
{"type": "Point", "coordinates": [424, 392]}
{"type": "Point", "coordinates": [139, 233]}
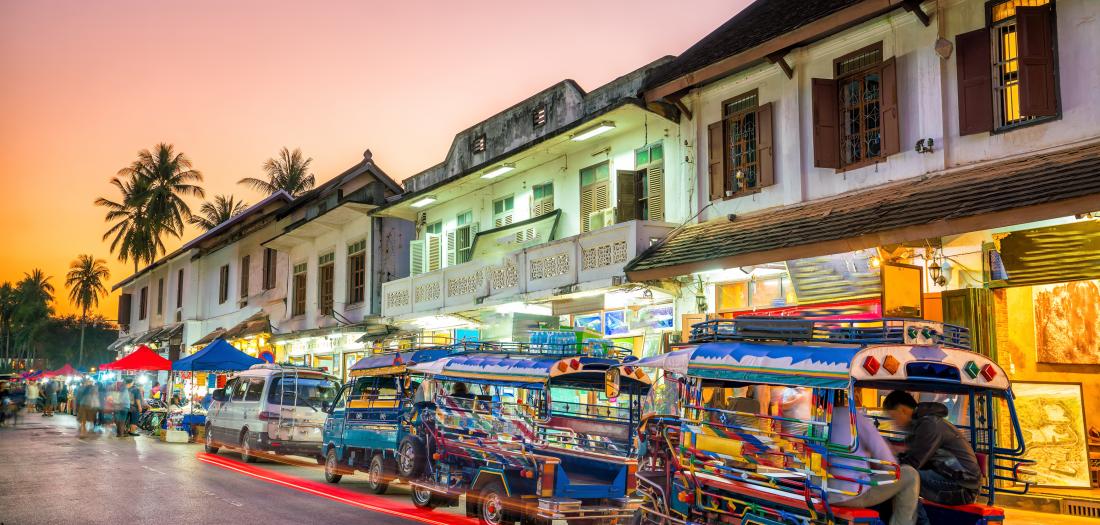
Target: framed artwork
{"type": "Point", "coordinates": [590, 322]}
{"type": "Point", "coordinates": [1067, 322]}
{"type": "Point", "coordinates": [614, 323]}
{"type": "Point", "coordinates": [902, 291]}
{"type": "Point", "coordinates": [658, 317]}
{"type": "Point", "coordinates": [1052, 419]}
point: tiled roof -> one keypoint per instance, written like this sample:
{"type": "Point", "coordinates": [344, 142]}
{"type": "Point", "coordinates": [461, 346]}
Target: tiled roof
{"type": "Point", "coordinates": [761, 21]}
{"type": "Point", "coordinates": [912, 209]}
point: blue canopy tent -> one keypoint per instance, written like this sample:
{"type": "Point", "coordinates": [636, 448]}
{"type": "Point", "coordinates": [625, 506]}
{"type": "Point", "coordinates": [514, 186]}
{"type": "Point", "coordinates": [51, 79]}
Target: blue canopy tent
{"type": "Point", "coordinates": [218, 355]}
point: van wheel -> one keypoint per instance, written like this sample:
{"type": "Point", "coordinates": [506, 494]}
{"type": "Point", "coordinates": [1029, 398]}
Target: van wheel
{"type": "Point", "coordinates": [208, 442]}
{"type": "Point", "coordinates": [490, 503]}
{"type": "Point", "coordinates": [378, 475]}
{"type": "Point", "coordinates": [246, 448]}
{"type": "Point", "coordinates": [410, 459]}
{"type": "Point", "coordinates": [332, 467]}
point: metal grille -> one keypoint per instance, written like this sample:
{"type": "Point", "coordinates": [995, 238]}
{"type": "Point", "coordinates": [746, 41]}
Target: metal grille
{"type": "Point", "coordinates": [1082, 508]}
{"type": "Point", "coordinates": [539, 115]}
{"type": "Point", "coordinates": [860, 116]}
{"type": "Point", "coordinates": [858, 62]}
{"type": "Point", "coordinates": [479, 144]}
{"type": "Point", "coordinates": [1006, 72]}
{"type": "Point", "coordinates": [740, 104]}
{"type": "Point", "coordinates": [741, 133]}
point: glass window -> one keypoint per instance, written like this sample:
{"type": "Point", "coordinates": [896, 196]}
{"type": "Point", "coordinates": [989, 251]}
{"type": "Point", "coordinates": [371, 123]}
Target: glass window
{"type": "Point", "coordinates": [435, 227]}
{"type": "Point", "coordinates": [543, 191]}
{"type": "Point", "coordinates": [342, 400]}
{"type": "Point", "coordinates": [303, 391]}
{"type": "Point", "coordinates": [1006, 73]}
{"type": "Point", "coordinates": [594, 174]}
{"type": "Point", "coordinates": [239, 389]}
{"type": "Point", "coordinates": [371, 388]}
{"type": "Point", "coordinates": [255, 389]}
{"type": "Point", "coordinates": [464, 218]}
{"type": "Point", "coordinates": [859, 83]}
{"type": "Point", "coordinates": [740, 122]}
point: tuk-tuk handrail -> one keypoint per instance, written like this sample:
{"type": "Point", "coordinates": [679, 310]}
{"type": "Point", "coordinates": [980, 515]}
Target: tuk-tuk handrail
{"type": "Point", "coordinates": [840, 331]}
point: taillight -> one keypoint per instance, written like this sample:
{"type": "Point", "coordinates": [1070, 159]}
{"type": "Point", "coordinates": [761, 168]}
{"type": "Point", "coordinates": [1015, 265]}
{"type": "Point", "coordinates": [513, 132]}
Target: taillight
{"type": "Point", "coordinates": [546, 480]}
{"type": "Point", "coordinates": [267, 416]}
{"type": "Point", "coordinates": [631, 477]}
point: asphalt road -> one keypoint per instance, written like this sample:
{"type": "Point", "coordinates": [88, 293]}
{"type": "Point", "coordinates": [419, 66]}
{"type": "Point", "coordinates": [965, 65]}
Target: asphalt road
{"type": "Point", "coordinates": [49, 476]}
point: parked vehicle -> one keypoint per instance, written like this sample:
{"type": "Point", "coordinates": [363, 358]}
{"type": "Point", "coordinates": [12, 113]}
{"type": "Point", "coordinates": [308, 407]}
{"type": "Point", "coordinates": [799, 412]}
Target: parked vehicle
{"type": "Point", "coordinates": [527, 432]}
{"type": "Point", "coordinates": [709, 458]}
{"type": "Point", "coordinates": [362, 428]}
{"type": "Point", "coordinates": [271, 408]}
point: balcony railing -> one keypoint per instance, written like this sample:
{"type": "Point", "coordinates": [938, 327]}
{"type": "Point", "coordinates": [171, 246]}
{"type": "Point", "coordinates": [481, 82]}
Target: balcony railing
{"type": "Point", "coordinates": [594, 258]}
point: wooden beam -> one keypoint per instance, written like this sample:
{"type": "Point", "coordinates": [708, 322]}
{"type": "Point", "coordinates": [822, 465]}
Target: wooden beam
{"type": "Point", "coordinates": [941, 228]}
{"type": "Point", "coordinates": [813, 31]}
{"type": "Point", "coordinates": [913, 6]}
{"type": "Point", "coordinates": [678, 101]}
{"type": "Point", "coordinates": [777, 58]}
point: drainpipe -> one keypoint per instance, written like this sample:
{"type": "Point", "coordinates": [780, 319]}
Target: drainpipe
{"type": "Point", "coordinates": [945, 88]}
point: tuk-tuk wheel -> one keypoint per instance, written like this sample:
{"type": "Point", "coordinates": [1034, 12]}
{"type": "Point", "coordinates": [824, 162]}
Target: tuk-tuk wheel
{"type": "Point", "coordinates": [377, 475]}
{"type": "Point", "coordinates": [491, 509]}
{"type": "Point", "coordinates": [423, 498]}
{"type": "Point", "coordinates": [410, 459]}
{"type": "Point", "coordinates": [332, 466]}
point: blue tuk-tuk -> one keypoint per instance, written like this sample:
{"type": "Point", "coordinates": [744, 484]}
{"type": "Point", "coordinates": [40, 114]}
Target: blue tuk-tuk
{"type": "Point", "coordinates": [362, 429]}
{"type": "Point", "coordinates": [761, 420]}
{"type": "Point", "coordinates": [527, 434]}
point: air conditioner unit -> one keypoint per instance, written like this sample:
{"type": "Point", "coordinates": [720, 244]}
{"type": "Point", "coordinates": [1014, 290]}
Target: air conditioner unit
{"type": "Point", "coordinates": [601, 218]}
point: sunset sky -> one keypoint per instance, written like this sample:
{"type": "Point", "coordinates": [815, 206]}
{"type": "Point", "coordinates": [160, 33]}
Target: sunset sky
{"type": "Point", "coordinates": [88, 84]}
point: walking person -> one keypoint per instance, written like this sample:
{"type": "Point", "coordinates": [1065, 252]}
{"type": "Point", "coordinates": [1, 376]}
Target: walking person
{"type": "Point", "coordinates": [137, 405]}
{"type": "Point", "coordinates": [32, 396]}
{"type": "Point", "coordinates": [49, 398]}
{"type": "Point", "coordinates": [121, 397]}
{"type": "Point", "coordinates": [87, 405]}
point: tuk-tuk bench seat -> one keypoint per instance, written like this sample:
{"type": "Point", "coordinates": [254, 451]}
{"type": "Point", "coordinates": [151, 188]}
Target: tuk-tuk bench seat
{"type": "Point", "coordinates": [790, 499]}
{"type": "Point", "coordinates": [976, 509]}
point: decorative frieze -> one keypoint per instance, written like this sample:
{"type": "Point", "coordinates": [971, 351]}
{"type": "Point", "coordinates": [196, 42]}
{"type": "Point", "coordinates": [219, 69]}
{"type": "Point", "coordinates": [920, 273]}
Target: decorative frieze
{"type": "Point", "coordinates": [603, 255]}
{"type": "Point", "coordinates": [427, 292]}
{"type": "Point", "coordinates": [397, 298]}
{"type": "Point", "coordinates": [549, 266]}
{"type": "Point", "coordinates": [504, 276]}
{"type": "Point", "coordinates": [465, 285]}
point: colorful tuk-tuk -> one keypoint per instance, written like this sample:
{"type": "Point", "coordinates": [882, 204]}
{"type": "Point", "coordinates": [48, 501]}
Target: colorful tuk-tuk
{"type": "Point", "coordinates": [362, 430]}
{"type": "Point", "coordinates": [526, 432]}
{"type": "Point", "coordinates": [751, 422]}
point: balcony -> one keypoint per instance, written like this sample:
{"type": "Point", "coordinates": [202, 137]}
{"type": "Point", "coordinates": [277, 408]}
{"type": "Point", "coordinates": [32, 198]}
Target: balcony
{"type": "Point", "coordinates": [589, 261]}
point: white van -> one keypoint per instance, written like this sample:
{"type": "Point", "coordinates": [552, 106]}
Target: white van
{"type": "Point", "coordinates": [271, 408]}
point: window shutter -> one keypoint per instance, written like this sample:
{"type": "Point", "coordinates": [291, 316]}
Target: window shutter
{"type": "Point", "coordinates": [656, 176]}
{"type": "Point", "coordinates": [626, 183]}
{"type": "Point", "coordinates": [716, 159]}
{"type": "Point", "coordinates": [826, 123]}
{"type": "Point", "coordinates": [586, 206]}
{"type": "Point", "coordinates": [601, 195]}
{"type": "Point", "coordinates": [765, 151]}
{"type": "Point", "coordinates": [1038, 91]}
{"type": "Point", "coordinates": [416, 257]}
{"type": "Point", "coordinates": [451, 247]}
{"type": "Point", "coordinates": [435, 249]}
{"type": "Point", "coordinates": [125, 304]}
{"type": "Point", "coordinates": [890, 131]}
{"type": "Point", "coordinates": [974, 72]}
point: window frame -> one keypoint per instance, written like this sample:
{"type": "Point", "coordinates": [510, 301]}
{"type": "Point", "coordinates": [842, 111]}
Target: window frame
{"type": "Point", "coordinates": [179, 289]}
{"type": "Point", "coordinates": [995, 57]}
{"type": "Point", "coordinates": [298, 296]}
{"type": "Point", "coordinates": [861, 72]}
{"type": "Point", "coordinates": [326, 283]}
{"type": "Point", "coordinates": [255, 386]}
{"type": "Point", "coordinates": [143, 303]}
{"type": "Point", "coordinates": [160, 296]}
{"type": "Point", "coordinates": [727, 145]}
{"type": "Point", "coordinates": [223, 283]}
{"type": "Point", "coordinates": [357, 272]}
{"type": "Point", "coordinates": [271, 261]}
{"type": "Point", "coordinates": [504, 212]}
{"type": "Point", "coordinates": [246, 264]}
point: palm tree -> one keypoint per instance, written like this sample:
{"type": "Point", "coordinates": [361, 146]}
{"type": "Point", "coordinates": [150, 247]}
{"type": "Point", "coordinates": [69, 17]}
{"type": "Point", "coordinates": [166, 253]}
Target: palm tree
{"type": "Point", "coordinates": [132, 233]}
{"type": "Point", "coordinates": [221, 209]}
{"type": "Point", "coordinates": [166, 177]}
{"type": "Point", "coordinates": [289, 172]}
{"type": "Point", "coordinates": [85, 283]}
{"type": "Point", "coordinates": [35, 293]}
{"type": "Point", "coordinates": [9, 301]}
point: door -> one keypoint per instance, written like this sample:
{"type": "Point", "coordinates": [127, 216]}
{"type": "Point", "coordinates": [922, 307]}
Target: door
{"type": "Point", "coordinates": [219, 411]}
{"type": "Point", "coordinates": [299, 399]}
{"type": "Point", "coordinates": [335, 421]}
{"type": "Point", "coordinates": [249, 406]}
{"type": "Point", "coordinates": [973, 308]}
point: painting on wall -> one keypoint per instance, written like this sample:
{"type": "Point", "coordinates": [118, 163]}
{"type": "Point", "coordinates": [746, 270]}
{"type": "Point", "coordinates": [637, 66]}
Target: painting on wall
{"type": "Point", "coordinates": [590, 322]}
{"type": "Point", "coordinates": [1067, 322]}
{"type": "Point", "coordinates": [902, 291]}
{"type": "Point", "coordinates": [1052, 419]}
{"type": "Point", "coordinates": [614, 323]}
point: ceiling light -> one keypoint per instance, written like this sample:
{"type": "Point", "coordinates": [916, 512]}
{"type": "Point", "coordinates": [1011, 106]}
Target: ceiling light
{"type": "Point", "coordinates": [423, 202]}
{"type": "Point", "coordinates": [493, 173]}
{"type": "Point", "coordinates": [590, 132]}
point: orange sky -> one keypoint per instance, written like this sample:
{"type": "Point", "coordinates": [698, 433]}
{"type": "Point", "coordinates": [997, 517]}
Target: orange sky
{"type": "Point", "coordinates": [85, 85]}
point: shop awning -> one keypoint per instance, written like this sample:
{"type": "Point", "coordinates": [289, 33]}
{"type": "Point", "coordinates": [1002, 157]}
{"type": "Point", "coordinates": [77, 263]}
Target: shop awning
{"type": "Point", "coordinates": [990, 195]}
{"type": "Point", "coordinates": [217, 356]}
{"type": "Point", "coordinates": [255, 325]}
{"type": "Point", "coordinates": [208, 338]}
{"type": "Point", "coordinates": [121, 341]}
{"type": "Point", "coordinates": [514, 237]}
{"type": "Point", "coordinates": [141, 359]}
{"type": "Point", "coordinates": [66, 370]}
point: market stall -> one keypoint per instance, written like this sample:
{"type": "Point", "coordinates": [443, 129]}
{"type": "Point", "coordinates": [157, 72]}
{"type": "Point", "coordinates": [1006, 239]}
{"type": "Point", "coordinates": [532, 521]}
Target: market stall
{"type": "Point", "coordinates": [217, 357]}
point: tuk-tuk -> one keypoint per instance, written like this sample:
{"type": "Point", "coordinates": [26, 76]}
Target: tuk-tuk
{"type": "Point", "coordinates": [527, 433]}
{"type": "Point", "coordinates": [755, 421]}
{"type": "Point", "coordinates": [362, 428]}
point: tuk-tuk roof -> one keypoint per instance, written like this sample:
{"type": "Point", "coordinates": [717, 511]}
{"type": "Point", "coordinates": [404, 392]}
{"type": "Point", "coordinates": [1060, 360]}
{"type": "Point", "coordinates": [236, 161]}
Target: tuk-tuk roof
{"type": "Point", "coordinates": [830, 366]}
{"type": "Point", "coordinates": [516, 370]}
{"type": "Point", "coordinates": [395, 362]}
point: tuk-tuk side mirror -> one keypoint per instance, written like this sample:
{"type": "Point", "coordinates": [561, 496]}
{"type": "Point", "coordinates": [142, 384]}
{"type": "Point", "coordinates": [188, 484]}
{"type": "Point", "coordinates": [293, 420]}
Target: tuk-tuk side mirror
{"type": "Point", "coordinates": [326, 407]}
{"type": "Point", "coordinates": [611, 383]}
{"type": "Point", "coordinates": [218, 395]}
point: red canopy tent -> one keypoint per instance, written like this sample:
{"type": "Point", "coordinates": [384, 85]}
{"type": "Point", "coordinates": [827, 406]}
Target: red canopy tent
{"type": "Point", "coordinates": [141, 359]}
{"type": "Point", "coordinates": [66, 370]}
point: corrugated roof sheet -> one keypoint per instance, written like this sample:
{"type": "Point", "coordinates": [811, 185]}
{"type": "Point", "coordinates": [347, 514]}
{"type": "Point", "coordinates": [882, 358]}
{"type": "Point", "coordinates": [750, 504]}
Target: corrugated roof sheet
{"type": "Point", "coordinates": [921, 201]}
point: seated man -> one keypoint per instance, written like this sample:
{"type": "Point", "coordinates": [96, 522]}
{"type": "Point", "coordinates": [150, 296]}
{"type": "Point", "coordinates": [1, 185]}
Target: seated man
{"type": "Point", "coordinates": [904, 491]}
{"type": "Point", "coordinates": [948, 467]}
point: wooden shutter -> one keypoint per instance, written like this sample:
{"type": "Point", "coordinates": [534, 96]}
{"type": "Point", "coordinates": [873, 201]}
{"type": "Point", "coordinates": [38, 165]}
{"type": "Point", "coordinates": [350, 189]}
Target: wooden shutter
{"type": "Point", "coordinates": [435, 252]}
{"type": "Point", "coordinates": [626, 185]}
{"type": "Point", "coordinates": [416, 257]}
{"type": "Point", "coordinates": [1038, 90]}
{"type": "Point", "coordinates": [452, 247]}
{"type": "Point", "coordinates": [716, 159]}
{"type": "Point", "coordinates": [542, 206]}
{"type": "Point", "coordinates": [656, 176]}
{"type": "Point", "coordinates": [889, 132]}
{"type": "Point", "coordinates": [125, 304]}
{"type": "Point", "coordinates": [974, 72]}
{"type": "Point", "coordinates": [765, 149]}
{"type": "Point", "coordinates": [586, 206]}
{"type": "Point", "coordinates": [601, 195]}
{"type": "Point", "coordinates": [826, 123]}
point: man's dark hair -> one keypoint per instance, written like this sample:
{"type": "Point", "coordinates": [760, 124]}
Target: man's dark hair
{"type": "Point", "coordinates": [899, 397]}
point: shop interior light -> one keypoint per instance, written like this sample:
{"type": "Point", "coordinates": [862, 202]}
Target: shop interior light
{"type": "Point", "coordinates": [587, 133]}
{"type": "Point", "coordinates": [497, 171]}
{"type": "Point", "coordinates": [423, 202]}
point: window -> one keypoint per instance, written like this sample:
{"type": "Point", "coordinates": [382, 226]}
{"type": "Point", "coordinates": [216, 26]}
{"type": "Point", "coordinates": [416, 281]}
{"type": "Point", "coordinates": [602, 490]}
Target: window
{"type": "Point", "coordinates": [239, 389]}
{"type": "Point", "coordinates": [357, 272]}
{"type": "Point", "coordinates": [143, 303]}
{"type": "Point", "coordinates": [269, 268]}
{"type": "Point", "coordinates": [502, 211]}
{"type": "Point", "coordinates": [299, 305]}
{"type": "Point", "coordinates": [538, 117]}
{"type": "Point", "coordinates": [325, 278]}
{"type": "Point", "coordinates": [246, 265]}
{"type": "Point", "coordinates": [595, 196]}
{"type": "Point", "coordinates": [435, 228]}
{"type": "Point", "coordinates": [302, 391]}
{"type": "Point", "coordinates": [855, 114]}
{"type": "Point", "coordinates": [740, 148]}
{"type": "Point", "coordinates": [160, 296]}
{"type": "Point", "coordinates": [478, 145]}
{"type": "Point", "coordinates": [255, 390]}
{"type": "Point", "coordinates": [1007, 71]}
{"type": "Point", "coordinates": [649, 183]}
{"type": "Point", "coordinates": [427, 254]}
{"type": "Point", "coordinates": [542, 199]}
{"type": "Point", "coordinates": [179, 289]}
{"type": "Point", "coordinates": [461, 241]}
{"type": "Point", "coordinates": [223, 284]}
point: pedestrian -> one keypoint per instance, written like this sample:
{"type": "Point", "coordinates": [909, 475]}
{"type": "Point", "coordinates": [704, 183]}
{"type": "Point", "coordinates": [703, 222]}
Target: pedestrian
{"type": "Point", "coordinates": [32, 395]}
{"type": "Point", "coordinates": [87, 403]}
{"type": "Point", "coordinates": [137, 405]}
{"type": "Point", "coordinates": [49, 397]}
{"type": "Point", "coordinates": [121, 397]}
{"type": "Point", "coordinates": [63, 397]}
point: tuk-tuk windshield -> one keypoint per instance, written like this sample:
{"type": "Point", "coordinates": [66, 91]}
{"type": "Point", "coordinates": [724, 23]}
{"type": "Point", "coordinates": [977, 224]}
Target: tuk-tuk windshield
{"type": "Point", "coordinates": [663, 398]}
{"type": "Point", "coordinates": [374, 388]}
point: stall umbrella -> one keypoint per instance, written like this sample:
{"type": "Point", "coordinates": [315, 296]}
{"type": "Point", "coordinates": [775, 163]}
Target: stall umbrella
{"type": "Point", "coordinates": [218, 356]}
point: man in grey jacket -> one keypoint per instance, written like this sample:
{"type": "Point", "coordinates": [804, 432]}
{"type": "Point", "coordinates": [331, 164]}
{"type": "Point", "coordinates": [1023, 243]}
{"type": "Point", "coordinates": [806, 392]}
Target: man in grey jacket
{"type": "Point", "coordinates": [948, 468]}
